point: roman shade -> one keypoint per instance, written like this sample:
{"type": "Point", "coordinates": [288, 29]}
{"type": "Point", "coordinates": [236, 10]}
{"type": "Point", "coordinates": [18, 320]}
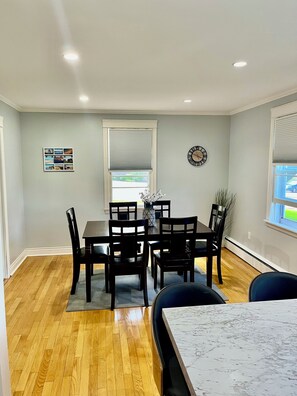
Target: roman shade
{"type": "Point", "coordinates": [130, 149]}
{"type": "Point", "coordinates": [285, 140]}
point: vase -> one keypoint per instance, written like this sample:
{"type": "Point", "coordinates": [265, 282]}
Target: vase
{"type": "Point", "coordinates": [149, 213]}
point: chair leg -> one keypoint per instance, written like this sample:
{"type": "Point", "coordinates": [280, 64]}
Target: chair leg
{"type": "Point", "coordinates": [155, 276]}
{"type": "Point", "coordinates": [106, 277]}
{"type": "Point", "coordinates": [161, 278]}
{"type": "Point", "coordinates": [153, 264]}
{"type": "Point", "coordinates": [92, 269]}
{"type": "Point", "coordinates": [75, 276]}
{"type": "Point", "coordinates": [112, 290]}
{"type": "Point", "coordinates": [144, 282]}
{"type": "Point", "coordinates": [219, 267]}
{"type": "Point", "coordinates": [88, 282]}
{"type": "Point", "coordinates": [192, 274]}
{"type": "Point", "coordinates": [185, 276]}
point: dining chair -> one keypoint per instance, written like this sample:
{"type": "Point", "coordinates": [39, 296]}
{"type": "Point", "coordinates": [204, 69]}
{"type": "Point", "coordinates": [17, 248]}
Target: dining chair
{"type": "Point", "coordinates": [177, 243]}
{"type": "Point", "coordinates": [162, 209]}
{"type": "Point", "coordinates": [166, 369]}
{"type": "Point", "coordinates": [273, 286]}
{"type": "Point", "coordinates": [98, 254]}
{"type": "Point", "coordinates": [126, 258]}
{"type": "Point", "coordinates": [123, 210]}
{"type": "Point", "coordinates": [216, 223]}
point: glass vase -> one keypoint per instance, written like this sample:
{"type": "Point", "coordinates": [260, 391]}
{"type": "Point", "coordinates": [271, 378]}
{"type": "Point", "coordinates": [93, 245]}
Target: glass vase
{"type": "Point", "coordinates": [149, 213]}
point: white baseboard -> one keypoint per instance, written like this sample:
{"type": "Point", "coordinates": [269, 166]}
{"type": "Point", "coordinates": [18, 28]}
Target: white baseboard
{"type": "Point", "coordinates": [254, 259]}
{"type": "Point", "coordinates": [246, 254]}
{"type": "Point", "coordinates": [43, 251]}
{"type": "Point", "coordinates": [48, 251]}
{"type": "Point", "coordinates": [17, 262]}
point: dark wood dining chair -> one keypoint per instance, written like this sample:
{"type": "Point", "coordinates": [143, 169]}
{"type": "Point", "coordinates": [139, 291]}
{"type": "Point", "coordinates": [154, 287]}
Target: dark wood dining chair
{"type": "Point", "coordinates": [98, 255]}
{"type": "Point", "coordinates": [177, 245]}
{"type": "Point", "coordinates": [162, 209]}
{"type": "Point", "coordinates": [273, 286]}
{"type": "Point", "coordinates": [123, 210]}
{"type": "Point", "coordinates": [126, 258]}
{"type": "Point", "coordinates": [216, 223]}
{"type": "Point", "coordinates": [166, 369]}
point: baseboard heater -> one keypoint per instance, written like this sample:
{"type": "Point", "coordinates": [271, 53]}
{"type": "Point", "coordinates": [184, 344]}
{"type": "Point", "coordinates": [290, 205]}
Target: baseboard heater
{"type": "Point", "coordinates": [252, 258]}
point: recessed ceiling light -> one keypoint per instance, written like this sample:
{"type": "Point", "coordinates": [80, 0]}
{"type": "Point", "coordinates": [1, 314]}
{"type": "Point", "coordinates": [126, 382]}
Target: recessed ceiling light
{"type": "Point", "coordinates": [240, 64]}
{"type": "Point", "coordinates": [84, 98]}
{"type": "Point", "coordinates": [187, 100]}
{"type": "Point", "coordinates": [71, 56]}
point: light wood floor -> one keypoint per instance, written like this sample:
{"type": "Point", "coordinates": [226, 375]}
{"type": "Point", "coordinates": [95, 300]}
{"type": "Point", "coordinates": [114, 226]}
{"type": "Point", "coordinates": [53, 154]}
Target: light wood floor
{"type": "Point", "coordinates": [53, 352]}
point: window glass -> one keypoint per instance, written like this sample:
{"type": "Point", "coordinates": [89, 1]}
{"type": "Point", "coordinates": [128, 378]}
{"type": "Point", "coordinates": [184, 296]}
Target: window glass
{"type": "Point", "coordinates": [130, 159]}
{"type": "Point", "coordinates": [284, 201]}
{"type": "Point", "coordinates": [285, 186]}
{"type": "Point", "coordinates": [282, 181]}
{"type": "Point", "coordinates": [127, 185]}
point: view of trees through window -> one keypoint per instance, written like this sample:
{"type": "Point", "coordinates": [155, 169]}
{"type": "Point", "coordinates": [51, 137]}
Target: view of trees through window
{"type": "Point", "coordinates": [285, 190]}
{"type": "Point", "coordinates": [127, 185]}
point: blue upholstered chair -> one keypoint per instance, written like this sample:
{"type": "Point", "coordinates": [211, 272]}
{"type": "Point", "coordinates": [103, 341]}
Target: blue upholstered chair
{"type": "Point", "coordinates": [167, 373]}
{"type": "Point", "coordinates": [273, 286]}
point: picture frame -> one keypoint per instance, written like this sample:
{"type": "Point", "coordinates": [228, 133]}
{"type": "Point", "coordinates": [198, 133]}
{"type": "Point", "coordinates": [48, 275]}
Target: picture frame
{"type": "Point", "coordinates": [58, 159]}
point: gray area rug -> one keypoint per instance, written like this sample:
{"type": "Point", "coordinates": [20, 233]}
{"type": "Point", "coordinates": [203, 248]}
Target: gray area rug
{"type": "Point", "coordinates": [127, 291]}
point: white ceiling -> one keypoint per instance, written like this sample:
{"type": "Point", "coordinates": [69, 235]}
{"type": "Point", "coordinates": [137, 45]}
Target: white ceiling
{"type": "Point", "coordinates": [147, 56]}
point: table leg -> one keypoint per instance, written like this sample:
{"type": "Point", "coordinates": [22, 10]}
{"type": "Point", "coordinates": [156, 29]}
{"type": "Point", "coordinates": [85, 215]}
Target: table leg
{"type": "Point", "coordinates": [209, 263]}
{"type": "Point", "coordinates": [88, 271]}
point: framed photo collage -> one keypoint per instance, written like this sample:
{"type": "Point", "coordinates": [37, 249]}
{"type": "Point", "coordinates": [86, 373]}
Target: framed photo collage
{"type": "Point", "coordinates": [58, 159]}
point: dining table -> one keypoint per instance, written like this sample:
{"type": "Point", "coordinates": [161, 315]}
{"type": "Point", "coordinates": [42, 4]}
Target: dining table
{"type": "Point", "coordinates": [244, 349]}
{"type": "Point", "coordinates": [97, 232]}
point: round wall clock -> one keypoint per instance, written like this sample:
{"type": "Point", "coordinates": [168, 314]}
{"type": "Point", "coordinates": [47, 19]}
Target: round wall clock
{"type": "Point", "coordinates": [197, 155]}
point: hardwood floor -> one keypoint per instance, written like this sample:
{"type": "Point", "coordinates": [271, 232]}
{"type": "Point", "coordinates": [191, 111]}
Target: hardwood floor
{"type": "Point", "coordinates": [53, 352]}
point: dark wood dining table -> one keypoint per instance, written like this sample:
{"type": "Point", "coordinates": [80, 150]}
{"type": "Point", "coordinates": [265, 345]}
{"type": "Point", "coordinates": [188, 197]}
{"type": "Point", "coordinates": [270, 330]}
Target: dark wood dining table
{"type": "Point", "coordinates": [97, 232]}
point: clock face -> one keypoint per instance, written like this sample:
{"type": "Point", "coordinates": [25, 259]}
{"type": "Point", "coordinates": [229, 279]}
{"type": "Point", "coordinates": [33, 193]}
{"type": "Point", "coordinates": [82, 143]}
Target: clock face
{"type": "Point", "coordinates": [197, 155]}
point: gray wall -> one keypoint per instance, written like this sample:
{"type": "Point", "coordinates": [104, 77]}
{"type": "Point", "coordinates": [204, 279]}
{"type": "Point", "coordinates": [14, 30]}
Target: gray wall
{"type": "Point", "coordinates": [248, 172]}
{"type": "Point", "coordinates": [14, 179]}
{"type": "Point", "coordinates": [48, 195]}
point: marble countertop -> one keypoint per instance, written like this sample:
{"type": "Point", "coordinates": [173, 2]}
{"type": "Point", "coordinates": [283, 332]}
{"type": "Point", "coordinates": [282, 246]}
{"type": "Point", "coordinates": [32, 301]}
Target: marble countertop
{"type": "Point", "coordinates": [247, 349]}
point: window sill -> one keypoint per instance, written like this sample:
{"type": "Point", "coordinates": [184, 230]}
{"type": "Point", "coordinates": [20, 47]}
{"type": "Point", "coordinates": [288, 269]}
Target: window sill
{"type": "Point", "coordinates": [281, 228]}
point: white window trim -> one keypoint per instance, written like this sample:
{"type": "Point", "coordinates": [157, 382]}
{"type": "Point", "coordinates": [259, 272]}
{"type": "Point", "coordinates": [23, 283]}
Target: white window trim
{"type": "Point", "coordinates": [127, 124]}
{"type": "Point", "coordinates": [277, 112]}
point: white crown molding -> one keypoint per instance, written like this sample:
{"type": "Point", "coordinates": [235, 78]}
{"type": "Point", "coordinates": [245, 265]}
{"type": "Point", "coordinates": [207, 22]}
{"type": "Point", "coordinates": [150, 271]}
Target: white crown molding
{"type": "Point", "coordinates": [130, 112]}
{"type": "Point", "coordinates": [149, 112]}
{"type": "Point", "coordinates": [263, 101]}
{"type": "Point", "coordinates": [11, 104]}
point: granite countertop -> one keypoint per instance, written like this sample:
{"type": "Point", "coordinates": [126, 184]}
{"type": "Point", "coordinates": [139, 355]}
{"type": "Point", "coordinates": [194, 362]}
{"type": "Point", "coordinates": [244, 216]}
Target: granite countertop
{"type": "Point", "coordinates": [247, 349]}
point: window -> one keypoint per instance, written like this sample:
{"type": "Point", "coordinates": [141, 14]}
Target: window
{"type": "Point", "coordinates": [129, 159]}
{"type": "Point", "coordinates": [127, 185]}
{"type": "Point", "coordinates": [282, 189]}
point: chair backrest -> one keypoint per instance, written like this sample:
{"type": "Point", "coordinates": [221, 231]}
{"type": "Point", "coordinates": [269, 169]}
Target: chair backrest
{"type": "Point", "coordinates": [177, 295]}
{"type": "Point", "coordinates": [162, 208]}
{"type": "Point", "coordinates": [125, 239]}
{"type": "Point", "coordinates": [217, 222]}
{"type": "Point", "coordinates": [177, 237]}
{"type": "Point", "coordinates": [273, 286]}
{"type": "Point", "coordinates": [74, 235]}
{"type": "Point", "coordinates": [123, 210]}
